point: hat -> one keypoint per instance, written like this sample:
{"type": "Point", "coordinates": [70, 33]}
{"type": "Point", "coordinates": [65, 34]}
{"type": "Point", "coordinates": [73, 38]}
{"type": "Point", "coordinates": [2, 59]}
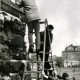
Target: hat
{"type": "Point", "coordinates": [65, 75]}
{"type": "Point", "coordinates": [50, 27]}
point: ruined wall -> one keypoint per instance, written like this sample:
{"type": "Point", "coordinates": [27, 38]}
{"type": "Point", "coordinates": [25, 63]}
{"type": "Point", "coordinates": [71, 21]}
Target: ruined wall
{"type": "Point", "coordinates": [12, 44]}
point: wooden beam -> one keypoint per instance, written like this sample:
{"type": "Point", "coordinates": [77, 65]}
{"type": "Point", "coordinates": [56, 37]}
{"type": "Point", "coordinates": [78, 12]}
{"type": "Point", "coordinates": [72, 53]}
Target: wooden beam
{"type": "Point", "coordinates": [10, 7]}
{"type": "Point", "coordinates": [33, 72]}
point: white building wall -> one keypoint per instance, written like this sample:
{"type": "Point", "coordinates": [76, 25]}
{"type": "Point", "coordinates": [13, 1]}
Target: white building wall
{"type": "Point", "coordinates": [70, 63]}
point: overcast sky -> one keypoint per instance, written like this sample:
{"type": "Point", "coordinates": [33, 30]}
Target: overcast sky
{"type": "Point", "coordinates": [64, 15]}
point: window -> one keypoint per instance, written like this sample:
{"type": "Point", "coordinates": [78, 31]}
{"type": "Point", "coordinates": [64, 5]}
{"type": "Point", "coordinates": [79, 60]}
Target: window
{"type": "Point", "coordinates": [76, 49]}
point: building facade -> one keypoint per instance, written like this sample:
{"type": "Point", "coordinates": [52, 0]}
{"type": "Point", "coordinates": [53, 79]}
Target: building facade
{"type": "Point", "coordinates": [71, 56]}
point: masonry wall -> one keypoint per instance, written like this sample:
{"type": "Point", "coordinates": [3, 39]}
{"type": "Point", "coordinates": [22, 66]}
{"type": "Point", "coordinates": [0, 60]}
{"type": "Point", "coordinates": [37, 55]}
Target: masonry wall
{"type": "Point", "coordinates": [12, 44]}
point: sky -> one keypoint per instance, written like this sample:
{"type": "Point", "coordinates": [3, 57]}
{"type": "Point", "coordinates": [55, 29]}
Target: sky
{"type": "Point", "coordinates": [64, 15]}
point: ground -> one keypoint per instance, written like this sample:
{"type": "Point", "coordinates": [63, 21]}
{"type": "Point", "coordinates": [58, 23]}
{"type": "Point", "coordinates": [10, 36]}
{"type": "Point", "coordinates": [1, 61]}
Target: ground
{"type": "Point", "coordinates": [73, 72]}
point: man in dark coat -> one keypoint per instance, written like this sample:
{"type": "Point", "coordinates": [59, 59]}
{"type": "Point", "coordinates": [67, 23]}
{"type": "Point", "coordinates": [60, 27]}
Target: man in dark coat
{"type": "Point", "coordinates": [48, 41]}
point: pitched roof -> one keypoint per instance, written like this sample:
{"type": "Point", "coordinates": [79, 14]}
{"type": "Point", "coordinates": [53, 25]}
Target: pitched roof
{"type": "Point", "coordinates": [74, 47]}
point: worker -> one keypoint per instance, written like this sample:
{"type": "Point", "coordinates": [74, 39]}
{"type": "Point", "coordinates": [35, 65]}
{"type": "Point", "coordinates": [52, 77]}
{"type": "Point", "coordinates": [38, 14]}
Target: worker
{"type": "Point", "coordinates": [50, 77]}
{"type": "Point", "coordinates": [48, 41]}
{"type": "Point", "coordinates": [65, 76]}
{"type": "Point", "coordinates": [32, 20]}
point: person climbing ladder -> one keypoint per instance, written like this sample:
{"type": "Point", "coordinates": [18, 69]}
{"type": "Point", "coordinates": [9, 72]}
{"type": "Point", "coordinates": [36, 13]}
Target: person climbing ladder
{"type": "Point", "coordinates": [32, 20]}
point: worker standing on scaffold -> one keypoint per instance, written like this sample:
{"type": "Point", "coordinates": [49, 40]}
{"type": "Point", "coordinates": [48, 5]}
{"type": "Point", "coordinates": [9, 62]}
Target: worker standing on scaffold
{"type": "Point", "coordinates": [32, 20]}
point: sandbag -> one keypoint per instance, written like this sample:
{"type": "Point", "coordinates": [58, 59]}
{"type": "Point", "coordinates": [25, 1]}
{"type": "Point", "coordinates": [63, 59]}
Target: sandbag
{"type": "Point", "coordinates": [18, 28]}
{"type": "Point", "coordinates": [1, 20]}
{"type": "Point", "coordinates": [7, 67]}
{"type": "Point", "coordinates": [15, 65]}
{"type": "Point", "coordinates": [6, 78]}
{"type": "Point", "coordinates": [28, 77]}
{"type": "Point", "coordinates": [1, 77]}
{"type": "Point", "coordinates": [4, 52]}
{"type": "Point", "coordinates": [3, 37]}
{"type": "Point", "coordinates": [16, 40]}
{"type": "Point", "coordinates": [4, 67]}
{"type": "Point", "coordinates": [1, 24]}
{"type": "Point", "coordinates": [15, 77]}
{"type": "Point", "coordinates": [1, 16]}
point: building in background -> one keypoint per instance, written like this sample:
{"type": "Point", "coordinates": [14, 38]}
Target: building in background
{"type": "Point", "coordinates": [71, 56]}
